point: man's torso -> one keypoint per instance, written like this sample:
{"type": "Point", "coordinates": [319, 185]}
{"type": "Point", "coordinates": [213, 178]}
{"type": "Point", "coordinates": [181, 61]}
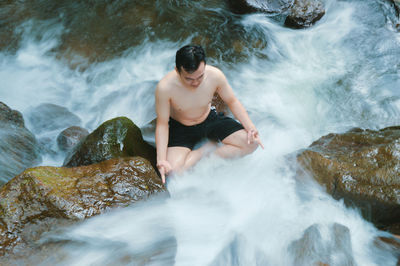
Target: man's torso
{"type": "Point", "coordinates": [191, 106]}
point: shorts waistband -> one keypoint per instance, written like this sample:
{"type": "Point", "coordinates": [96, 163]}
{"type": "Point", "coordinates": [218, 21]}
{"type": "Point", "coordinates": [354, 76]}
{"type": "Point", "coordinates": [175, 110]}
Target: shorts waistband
{"type": "Point", "coordinates": [211, 113]}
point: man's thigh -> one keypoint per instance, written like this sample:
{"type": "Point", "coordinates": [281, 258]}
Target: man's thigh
{"type": "Point", "coordinates": [237, 138]}
{"type": "Point", "coordinates": [176, 156]}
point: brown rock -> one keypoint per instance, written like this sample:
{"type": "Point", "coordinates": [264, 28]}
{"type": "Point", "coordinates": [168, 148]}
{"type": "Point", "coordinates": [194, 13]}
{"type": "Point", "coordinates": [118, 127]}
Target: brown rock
{"type": "Point", "coordinates": [70, 137]}
{"type": "Point", "coordinates": [361, 166]}
{"type": "Point", "coordinates": [304, 13]}
{"type": "Point", "coordinates": [44, 193]}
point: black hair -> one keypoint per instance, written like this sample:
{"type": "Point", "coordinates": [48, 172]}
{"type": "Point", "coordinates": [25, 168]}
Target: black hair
{"type": "Point", "coordinates": [189, 58]}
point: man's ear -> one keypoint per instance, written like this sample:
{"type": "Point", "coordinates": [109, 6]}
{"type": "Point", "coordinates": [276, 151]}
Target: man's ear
{"type": "Point", "coordinates": [177, 71]}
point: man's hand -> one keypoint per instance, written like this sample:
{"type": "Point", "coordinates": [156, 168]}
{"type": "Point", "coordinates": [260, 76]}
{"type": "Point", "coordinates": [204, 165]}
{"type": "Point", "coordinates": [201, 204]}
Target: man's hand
{"type": "Point", "coordinates": [164, 168]}
{"type": "Point", "coordinates": [252, 136]}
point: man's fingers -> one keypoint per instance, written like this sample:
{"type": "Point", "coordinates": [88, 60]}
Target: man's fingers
{"type": "Point", "coordinates": [250, 136]}
{"type": "Point", "coordinates": [260, 143]}
{"type": "Point", "coordinates": [162, 173]}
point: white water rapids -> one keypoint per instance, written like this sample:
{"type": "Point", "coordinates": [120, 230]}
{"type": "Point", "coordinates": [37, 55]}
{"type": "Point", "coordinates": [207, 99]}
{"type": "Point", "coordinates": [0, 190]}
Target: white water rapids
{"type": "Point", "coordinates": [341, 73]}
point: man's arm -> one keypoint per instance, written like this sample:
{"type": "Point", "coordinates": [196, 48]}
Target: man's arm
{"type": "Point", "coordinates": [226, 92]}
{"type": "Point", "coordinates": [162, 131]}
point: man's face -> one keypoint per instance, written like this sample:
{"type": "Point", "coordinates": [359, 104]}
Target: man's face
{"type": "Point", "coordinates": [193, 80]}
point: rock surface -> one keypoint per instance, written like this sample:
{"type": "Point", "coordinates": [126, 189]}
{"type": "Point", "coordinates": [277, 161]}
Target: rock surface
{"type": "Point", "coordinates": [269, 6]}
{"type": "Point", "coordinates": [70, 137]}
{"type": "Point", "coordinates": [304, 13]}
{"type": "Point", "coordinates": [19, 148]}
{"type": "Point", "coordinates": [41, 195]}
{"type": "Point", "coordinates": [313, 249]}
{"type": "Point", "coordinates": [363, 168]}
{"type": "Point", "coordinates": [10, 117]}
{"type": "Point", "coordinates": [118, 137]}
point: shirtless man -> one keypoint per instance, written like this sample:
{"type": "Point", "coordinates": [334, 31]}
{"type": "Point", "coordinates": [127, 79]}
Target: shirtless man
{"type": "Point", "coordinates": [185, 116]}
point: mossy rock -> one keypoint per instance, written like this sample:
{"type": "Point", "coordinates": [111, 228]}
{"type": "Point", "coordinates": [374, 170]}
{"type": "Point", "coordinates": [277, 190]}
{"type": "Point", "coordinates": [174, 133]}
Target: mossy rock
{"type": "Point", "coordinates": [72, 194]}
{"type": "Point", "coordinates": [115, 138]}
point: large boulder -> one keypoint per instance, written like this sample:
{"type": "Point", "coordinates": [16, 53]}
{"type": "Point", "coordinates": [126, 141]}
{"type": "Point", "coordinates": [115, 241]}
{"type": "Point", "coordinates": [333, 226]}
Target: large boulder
{"type": "Point", "coordinates": [118, 137]}
{"type": "Point", "coordinates": [18, 146]}
{"type": "Point", "coordinates": [304, 13]}
{"type": "Point", "coordinates": [363, 168]}
{"type": "Point", "coordinates": [40, 195]}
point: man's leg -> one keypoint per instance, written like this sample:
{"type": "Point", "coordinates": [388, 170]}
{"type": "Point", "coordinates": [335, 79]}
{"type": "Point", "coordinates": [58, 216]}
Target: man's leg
{"type": "Point", "coordinates": [195, 155]}
{"type": "Point", "coordinates": [176, 156]}
{"type": "Point", "coordinates": [182, 158]}
{"type": "Point", "coordinates": [235, 145]}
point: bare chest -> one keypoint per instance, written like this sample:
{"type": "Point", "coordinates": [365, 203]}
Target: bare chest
{"type": "Point", "coordinates": [186, 101]}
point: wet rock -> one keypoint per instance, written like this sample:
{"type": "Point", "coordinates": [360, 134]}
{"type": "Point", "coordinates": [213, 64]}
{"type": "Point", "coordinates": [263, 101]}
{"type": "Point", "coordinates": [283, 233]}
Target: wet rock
{"type": "Point", "coordinates": [10, 117]}
{"type": "Point", "coordinates": [70, 137]}
{"type": "Point", "coordinates": [360, 166]}
{"type": "Point", "coordinates": [269, 6]}
{"type": "Point", "coordinates": [43, 193]}
{"type": "Point", "coordinates": [49, 117]}
{"type": "Point", "coordinates": [240, 250]}
{"type": "Point", "coordinates": [304, 13]}
{"type": "Point", "coordinates": [19, 148]}
{"type": "Point", "coordinates": [312, 249]}
{"type": "Point", "coordinates": [389, 246]}
{"type": "Point", "coordinates": [118, 137]}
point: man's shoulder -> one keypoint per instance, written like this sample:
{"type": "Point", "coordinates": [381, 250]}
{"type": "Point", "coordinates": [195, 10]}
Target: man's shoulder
{"type": "Point", "coordinates": [213, 70]}
{"type": "Point", "coordinates": [166, 82]}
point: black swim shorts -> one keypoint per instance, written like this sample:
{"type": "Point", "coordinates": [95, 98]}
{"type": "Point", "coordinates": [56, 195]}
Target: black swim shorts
{"type": "Point", "coordinates": [216, 127]}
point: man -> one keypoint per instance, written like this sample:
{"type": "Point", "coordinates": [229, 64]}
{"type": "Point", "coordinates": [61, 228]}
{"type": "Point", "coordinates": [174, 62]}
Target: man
{"type": "Point", "coordinates": [185, 116]}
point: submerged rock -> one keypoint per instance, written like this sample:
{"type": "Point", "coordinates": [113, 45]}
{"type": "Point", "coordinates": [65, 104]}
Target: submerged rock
{"type": "Point", "coordinates": [115, 138]}
{"type": "Point", "coordinates": [362, 167]}
{"type": "Point", "coordinates": [389, 246]}
{"type": "Point", "coordinates": [19, 148]}
{"type": "Point", "coordinates": [304, 13]}
{"type": "Point", "coordinates": [312, 249]}
{"type": "Point", "coordinates": [44, 193]}
{"type": "Point", "coordinates": [49, 117]}
{"type": "Point", "coordinates": [70, 137]}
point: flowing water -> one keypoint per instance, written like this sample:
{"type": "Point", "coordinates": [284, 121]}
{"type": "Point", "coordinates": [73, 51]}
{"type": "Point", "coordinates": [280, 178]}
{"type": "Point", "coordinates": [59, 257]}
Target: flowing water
{"type": "Point", "coordinates": [297, 86]}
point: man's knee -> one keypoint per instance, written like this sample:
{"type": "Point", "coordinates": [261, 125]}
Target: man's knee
{"type": "Point", "coordinates": [249, 148]}
{"type": "Point", "coordinates": [177, 166]}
